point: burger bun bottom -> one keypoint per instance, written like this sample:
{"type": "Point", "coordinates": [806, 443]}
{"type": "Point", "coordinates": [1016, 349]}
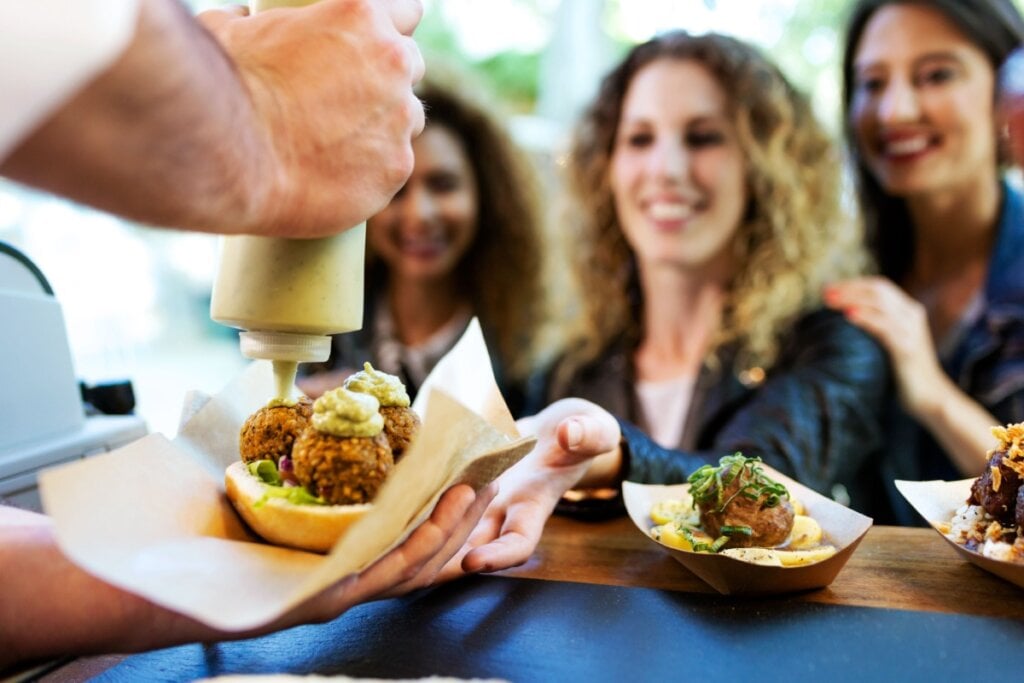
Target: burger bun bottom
{"type": "Point", "coordinates": [306, 527]}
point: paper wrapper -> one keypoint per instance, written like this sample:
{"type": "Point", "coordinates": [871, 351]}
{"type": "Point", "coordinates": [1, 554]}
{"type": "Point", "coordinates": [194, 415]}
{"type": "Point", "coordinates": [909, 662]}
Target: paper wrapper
{"type": "Point", "coordinates": [841, 527]}
{"type": "Point", "coordinates": [152, 518]}
{"type": "Point", "coordinates": [937, 502]}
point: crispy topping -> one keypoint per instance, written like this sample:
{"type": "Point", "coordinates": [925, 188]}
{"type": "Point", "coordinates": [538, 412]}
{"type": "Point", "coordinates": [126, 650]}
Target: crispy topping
{"type": "Point", "coordinates": [1010, 439]}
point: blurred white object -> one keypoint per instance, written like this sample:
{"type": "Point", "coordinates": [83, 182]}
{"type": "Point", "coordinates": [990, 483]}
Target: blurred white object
{"type": "Point", "coordinates": [41, 413]}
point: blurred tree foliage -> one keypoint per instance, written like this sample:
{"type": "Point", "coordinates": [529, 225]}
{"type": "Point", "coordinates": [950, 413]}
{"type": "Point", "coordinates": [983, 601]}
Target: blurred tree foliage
{"type": "Point", "coordinates": [513, 75]}
{"type": "Point", "coordinates": [808, 50]}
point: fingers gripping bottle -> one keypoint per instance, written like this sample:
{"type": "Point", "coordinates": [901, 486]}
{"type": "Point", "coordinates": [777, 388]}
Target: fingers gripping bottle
{"type": "Point", "coordinates": [288, 295]}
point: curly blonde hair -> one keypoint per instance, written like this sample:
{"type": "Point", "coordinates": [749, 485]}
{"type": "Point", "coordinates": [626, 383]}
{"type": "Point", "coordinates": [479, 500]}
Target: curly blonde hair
{"type": "Point", "coordinates": [795, 235]}
{"type": "Point", "coordinates": [502, 268]}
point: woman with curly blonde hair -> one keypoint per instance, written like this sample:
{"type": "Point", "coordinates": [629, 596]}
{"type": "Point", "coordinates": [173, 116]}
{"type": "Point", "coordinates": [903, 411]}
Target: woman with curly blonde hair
{"type": "Point", "coordinates": [462, 238]}
{"type": "Point", "coordinates": [710, 220]}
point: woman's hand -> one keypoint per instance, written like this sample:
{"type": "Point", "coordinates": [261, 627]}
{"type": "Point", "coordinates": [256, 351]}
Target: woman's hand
{"type": "Point", "coordinates": [900, 324]}
{"type": "Point", "coordinates": [574, 437]}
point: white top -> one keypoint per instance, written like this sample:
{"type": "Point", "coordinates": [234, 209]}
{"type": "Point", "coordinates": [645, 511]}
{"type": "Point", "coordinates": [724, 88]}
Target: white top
{"type": "Point", "coordinates": [416, 361]}
{"type": "Point", "coordinates": [49, 49]}
{"type": "Point", "coordinates": [664, 405]}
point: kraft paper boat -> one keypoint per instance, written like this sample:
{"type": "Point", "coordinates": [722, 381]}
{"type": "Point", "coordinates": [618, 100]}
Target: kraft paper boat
{"type": "Point", "coordinates": [152, 518]}
{"type": "Point", "coordinates": [842, 527]}
{"type": "Point", "coordinates": [937, 501]}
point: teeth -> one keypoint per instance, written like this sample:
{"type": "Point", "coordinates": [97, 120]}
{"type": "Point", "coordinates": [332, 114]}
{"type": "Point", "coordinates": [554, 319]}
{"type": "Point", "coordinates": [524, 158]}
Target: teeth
{"type": "Point", "coordinates": [903, 147]}
{"type": "Point", "coordinates": [667, 211]}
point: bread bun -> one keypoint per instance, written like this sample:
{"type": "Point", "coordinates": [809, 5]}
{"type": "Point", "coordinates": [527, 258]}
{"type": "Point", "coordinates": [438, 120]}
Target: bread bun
{"type": "Point", "coordinates": [307, 527]}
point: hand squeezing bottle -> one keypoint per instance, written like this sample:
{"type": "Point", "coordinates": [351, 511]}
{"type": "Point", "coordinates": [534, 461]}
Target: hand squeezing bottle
{"type": "Point", "coordinates": [289, 295]}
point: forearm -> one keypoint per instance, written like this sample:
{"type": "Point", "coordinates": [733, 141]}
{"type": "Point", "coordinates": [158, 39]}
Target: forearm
{"type": "Point", "coordinates": [172, 121]}
{"type": "Point", "coordinates": [644, 460]}
{"type": "Point", "coordinates": [961, 425]}
{"type": "Point", "coordinates": [50, 607]}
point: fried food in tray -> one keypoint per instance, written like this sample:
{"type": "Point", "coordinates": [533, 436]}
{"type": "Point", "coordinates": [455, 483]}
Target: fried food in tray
{"type": "Point", "coordinates": [311, 469]}
{"type": "Point", "coordinates": [737, 510]}
{"type": "Point", "coordinates": [991, 522]}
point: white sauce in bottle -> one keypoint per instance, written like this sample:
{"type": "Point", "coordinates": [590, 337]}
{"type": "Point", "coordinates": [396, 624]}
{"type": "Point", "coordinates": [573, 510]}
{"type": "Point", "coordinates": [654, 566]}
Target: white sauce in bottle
{"type": "Point", "coordinates": [290, 295]}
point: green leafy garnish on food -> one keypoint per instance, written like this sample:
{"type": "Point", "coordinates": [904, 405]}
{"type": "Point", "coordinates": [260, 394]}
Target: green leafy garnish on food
{"type": "Point", "coordinates": [273, 486]}
{"type": "Point", "coordinates": [708, 484]}
{"type": "Point", "coordinates": [297, 495]}
{"type": "Point", "coordinates": [265, 471]}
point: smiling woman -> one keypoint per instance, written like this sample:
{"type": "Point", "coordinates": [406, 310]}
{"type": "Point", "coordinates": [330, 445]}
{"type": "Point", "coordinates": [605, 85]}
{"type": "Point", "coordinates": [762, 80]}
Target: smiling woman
{"type": "Point", "coordinates": [920, 93]}
{"type": "Point", "coordinates": [461, 238]}
{"type": "Point", "coordinates": [707, 220]}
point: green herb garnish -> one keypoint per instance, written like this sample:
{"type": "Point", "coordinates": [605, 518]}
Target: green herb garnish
{"type": "Point", "coordinates": [273, 486]}
{"type": "Point", "coordinates": [708, 484]}
{"type": "Point", "coordinates": [265, 471]}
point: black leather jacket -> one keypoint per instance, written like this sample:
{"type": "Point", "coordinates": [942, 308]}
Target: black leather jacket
{"type": "Point", "coordinates": [815, 416]}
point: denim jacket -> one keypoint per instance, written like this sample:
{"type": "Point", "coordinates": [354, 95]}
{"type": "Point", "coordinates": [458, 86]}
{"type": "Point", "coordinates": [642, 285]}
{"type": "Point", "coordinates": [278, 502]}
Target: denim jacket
{"type": "Point", "coordinates": [987, 363]}
{"type": "Point", "coordinates": [815, 416]}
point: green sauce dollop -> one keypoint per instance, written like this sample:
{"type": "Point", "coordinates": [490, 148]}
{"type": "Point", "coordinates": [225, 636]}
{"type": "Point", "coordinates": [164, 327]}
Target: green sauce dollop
{"type": "Point", "coordinates": [341, 412]}
{"type": "Point", "coordinates": [387, 389]}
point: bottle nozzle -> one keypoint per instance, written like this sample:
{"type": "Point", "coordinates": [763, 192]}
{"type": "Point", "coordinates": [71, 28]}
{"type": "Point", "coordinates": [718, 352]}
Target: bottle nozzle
{"type": "Point", "coordinates": [285, 346]}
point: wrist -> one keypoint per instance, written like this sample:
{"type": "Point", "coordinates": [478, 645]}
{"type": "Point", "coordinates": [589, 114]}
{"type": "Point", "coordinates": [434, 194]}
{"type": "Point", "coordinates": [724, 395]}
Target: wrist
{"type": "Point", "coordinates": [604, 470]}
{"type": "Point", "coordinates": [931, 406]}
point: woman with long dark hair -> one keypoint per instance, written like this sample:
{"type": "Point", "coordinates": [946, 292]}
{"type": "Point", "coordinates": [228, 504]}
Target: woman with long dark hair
{"type": "Point", "coordinates": [944, 224]}
{"type": "Point", "coordinates": [462, 238]}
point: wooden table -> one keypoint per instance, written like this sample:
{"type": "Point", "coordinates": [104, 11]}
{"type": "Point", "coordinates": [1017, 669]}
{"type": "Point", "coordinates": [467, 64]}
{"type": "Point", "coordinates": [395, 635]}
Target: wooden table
{"type": "Point", "coordinates": [894, 567]}
{"type": "Point", "coordinates": [904, 606]}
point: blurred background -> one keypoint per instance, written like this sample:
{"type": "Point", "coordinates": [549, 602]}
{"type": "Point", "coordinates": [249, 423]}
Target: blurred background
{"type": "Point", "coordinates": [136, 300]}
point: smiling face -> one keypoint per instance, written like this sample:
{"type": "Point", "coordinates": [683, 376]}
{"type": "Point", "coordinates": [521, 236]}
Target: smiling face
{"type": "Point", "coordinates": [430, 224]}
{"type": "Point", "coordinates": [922, 106]}
{"type": "Point", "coordinates": [677, 171]}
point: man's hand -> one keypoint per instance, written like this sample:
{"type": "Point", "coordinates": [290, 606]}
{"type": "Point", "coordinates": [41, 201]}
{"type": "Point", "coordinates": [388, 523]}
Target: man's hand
{"type": "Point", "coordinates": [85, 615]}
{"type": "Point", "coordinates": [332, 85]}
{"type": "Point", "coordinates": [297, 122]}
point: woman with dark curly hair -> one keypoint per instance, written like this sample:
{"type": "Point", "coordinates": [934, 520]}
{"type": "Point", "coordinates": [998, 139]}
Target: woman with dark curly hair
{"type": "Point", "coordinates": [709, 219]}
{"type": "Point", "coordinates": [947, 229]}
{"type": "Point", "coordinates": [462, 238]}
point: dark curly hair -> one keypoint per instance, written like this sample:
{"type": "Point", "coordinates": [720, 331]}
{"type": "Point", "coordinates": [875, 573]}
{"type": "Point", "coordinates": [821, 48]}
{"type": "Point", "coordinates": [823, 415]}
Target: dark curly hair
{"type": "Point", "coordinates": [501, 270]}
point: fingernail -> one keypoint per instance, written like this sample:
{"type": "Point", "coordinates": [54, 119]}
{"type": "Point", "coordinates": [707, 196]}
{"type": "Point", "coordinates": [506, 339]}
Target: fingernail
{"type": "Point", "coordinates": [574, 433]}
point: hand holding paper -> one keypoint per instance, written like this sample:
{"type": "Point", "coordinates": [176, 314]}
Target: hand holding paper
{"type": "Point", "coordinates": [149, 544]}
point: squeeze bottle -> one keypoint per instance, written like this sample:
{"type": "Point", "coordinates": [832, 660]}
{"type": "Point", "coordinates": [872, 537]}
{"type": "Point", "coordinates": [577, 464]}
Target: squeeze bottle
{"type": "Point", "coordinates": [289, 295]}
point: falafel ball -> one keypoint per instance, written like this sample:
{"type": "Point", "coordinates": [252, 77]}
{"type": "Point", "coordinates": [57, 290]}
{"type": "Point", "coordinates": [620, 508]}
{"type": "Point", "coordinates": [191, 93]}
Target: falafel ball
{"type": "Point", "coordinates": [400, 426]}
{"type": "Point", "coordinates": [270, 432]}
{"type": "Point", "coordinates": [400, 421]}
{"type": "Point", "coordinates": [342, 470]}
{"type": "Point", "coordinates": [769, 525]}
{"type": "Point", "coordinates": [738, 500]}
